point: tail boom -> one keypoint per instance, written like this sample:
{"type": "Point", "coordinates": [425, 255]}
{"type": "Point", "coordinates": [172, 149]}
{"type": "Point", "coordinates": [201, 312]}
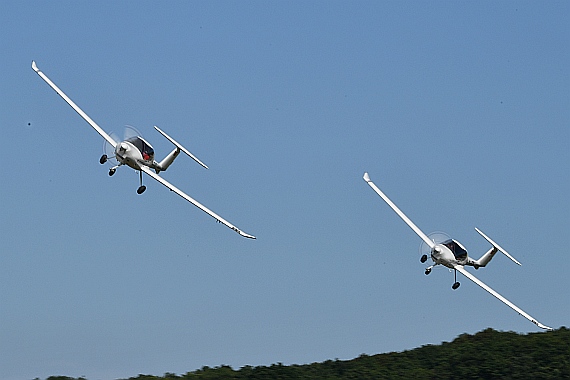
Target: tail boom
{"type": "Point", "coordinates": [167, 161]}
{"type": "Point", "coordinates": [484, 260]}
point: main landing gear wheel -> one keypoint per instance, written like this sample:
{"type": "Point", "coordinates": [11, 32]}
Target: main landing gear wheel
{"type": "Point", "coordinates": [456, 283]}
{"type": "Point", "coordinates": [103, 159]}
{"type": "Point", "coordinates": [142, 187]}
{"type": "Point", "coordinates": [423, 259]}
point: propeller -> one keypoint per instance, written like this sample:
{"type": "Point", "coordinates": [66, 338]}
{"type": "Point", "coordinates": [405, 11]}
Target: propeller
{"type": "Point", "coordinates": [130, 131]}
{"type": "Point", "coordinates": [437, 237]}
{"type": "Point", "coordinates": [108, 149]}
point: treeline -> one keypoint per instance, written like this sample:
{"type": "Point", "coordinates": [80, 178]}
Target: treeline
{"type": "Point", "coordinates": [488, 354]}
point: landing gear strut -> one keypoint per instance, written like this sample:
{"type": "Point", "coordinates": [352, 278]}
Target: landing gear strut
{"type": "Point", "coordinates": [455, 284]}
{"type": "Point", "coordinates": [141, 188]}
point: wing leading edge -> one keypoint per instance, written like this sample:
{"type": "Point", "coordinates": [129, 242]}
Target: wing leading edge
{"type": "Point", "coordinates": [158, 178]}
{"type": "Point", "coordinates": [461, 269]}
{"type": "Point", "coordinates": [411, 224]}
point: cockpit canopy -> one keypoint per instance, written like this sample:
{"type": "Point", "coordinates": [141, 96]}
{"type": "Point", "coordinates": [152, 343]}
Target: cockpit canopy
{"type": "Point", "coordinates": [459, 252]}
{"type": "Point", "coordinates": [146, 150]}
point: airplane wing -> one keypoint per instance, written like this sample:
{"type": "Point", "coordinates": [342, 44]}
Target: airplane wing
{"type": "Point", "coordinates": [74, 106]}
{"type": "Point", "coordinates": [461, 269]}
{"type": "Point", "coordinates": [419, 232]}
{"type": "Point", "coordinates": [152, 174]}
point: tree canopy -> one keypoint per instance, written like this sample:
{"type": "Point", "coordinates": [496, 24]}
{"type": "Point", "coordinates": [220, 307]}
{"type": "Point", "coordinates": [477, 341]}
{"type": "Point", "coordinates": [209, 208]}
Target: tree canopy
{"type": "Point", "coordinates": [488, 354]}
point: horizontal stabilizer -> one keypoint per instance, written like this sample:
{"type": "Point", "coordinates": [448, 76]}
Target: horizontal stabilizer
{"type": "Point", "coordinates": [497, 246]}
{"type": "Point", "coordinates": [179, 146]}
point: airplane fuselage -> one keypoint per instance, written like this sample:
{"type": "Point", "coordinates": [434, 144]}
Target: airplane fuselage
{"type": "Point", "coordinates": [442, 255]}
{"type": "Point", "coordinates": [128, 154]}
{"type": "Point", "coordinates": [450, 253]}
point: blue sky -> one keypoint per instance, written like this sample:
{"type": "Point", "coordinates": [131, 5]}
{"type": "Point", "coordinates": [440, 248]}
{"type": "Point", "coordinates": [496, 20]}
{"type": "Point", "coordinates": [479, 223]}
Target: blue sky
{"type": "Point", "coordinates": [460, 112]}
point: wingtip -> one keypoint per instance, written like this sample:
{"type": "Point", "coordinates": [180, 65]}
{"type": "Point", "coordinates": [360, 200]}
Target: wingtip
{"type": "Point", "coordinates": [246, 235]}
{"type": "Point", "coordinates": [34, 66]}
{"type": "Point", "coordinates": [366, 177]}
{"type": "Point", "coordinates": [544, 327]}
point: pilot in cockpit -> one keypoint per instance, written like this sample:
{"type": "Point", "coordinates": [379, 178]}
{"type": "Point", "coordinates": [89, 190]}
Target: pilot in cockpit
{"type": "Point", "coordinates": [146, 150]}
{"type": "Point", "coordinates": [459, 252]}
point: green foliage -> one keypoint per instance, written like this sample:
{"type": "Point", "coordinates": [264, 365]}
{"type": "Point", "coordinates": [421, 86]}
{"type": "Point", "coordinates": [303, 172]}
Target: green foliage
{"type": "Point", "coordinates": [488, 354]}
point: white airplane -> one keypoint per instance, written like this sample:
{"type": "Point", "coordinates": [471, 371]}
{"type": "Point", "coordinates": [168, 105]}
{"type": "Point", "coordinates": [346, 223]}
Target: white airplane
{"type": "Point", "coordinates": [138, 154]}
{"type": "Point", "coordinates": [452, 254]}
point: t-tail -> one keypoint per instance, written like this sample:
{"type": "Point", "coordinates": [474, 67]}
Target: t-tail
{"type": "Point", "coordinates": [488, 256]}
{"type": "Point", "coordinates": [169, 159]}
